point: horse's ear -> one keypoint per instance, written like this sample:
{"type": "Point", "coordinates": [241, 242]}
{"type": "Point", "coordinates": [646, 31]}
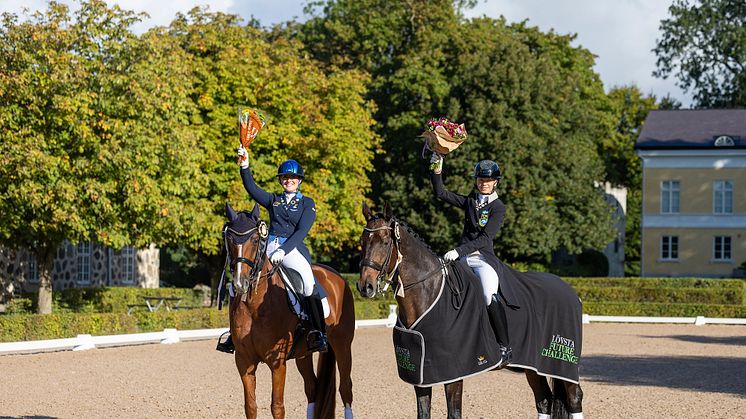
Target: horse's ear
{"type": "Point", "coordinates": [366, 211]}
{"type": "Point", "coordinates": [388, 213]}
{"type": "Point", "coordinates": [230, 213]}
{"type": "Point", "coordinates": [255, 212]}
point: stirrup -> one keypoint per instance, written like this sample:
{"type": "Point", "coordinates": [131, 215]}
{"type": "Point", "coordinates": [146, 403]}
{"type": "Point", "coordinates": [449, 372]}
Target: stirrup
{"type": "Point", "coordinates": [316, 341]}
{"type": "Point", "coordinates": [226, 346]}
{"type": "Point", "coordinates": [506, 356]}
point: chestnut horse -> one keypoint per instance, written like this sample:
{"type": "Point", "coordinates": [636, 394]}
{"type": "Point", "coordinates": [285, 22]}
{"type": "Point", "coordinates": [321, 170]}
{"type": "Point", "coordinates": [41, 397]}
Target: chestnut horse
{"type": "Point", "coordinates": [388, 249]}
{"type": "Point", "coordinates": [263, 327]}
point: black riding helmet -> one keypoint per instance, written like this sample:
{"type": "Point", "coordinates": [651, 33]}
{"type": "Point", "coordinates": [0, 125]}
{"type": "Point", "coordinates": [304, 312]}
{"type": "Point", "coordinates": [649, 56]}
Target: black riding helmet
{"type": "Point", "coordinates": [487, 169]}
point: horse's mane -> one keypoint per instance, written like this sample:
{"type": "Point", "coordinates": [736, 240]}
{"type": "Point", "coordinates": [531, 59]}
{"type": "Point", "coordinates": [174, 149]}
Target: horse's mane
{"type": "Point", "coordinates": [411, 232]}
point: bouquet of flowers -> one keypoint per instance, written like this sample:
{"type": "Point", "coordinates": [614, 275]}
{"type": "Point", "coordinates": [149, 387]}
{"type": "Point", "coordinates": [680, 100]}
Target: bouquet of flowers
{"type": "Point", "coordinates": [250, 122]}
{"type": "Point", "coordinates": [443, 136]}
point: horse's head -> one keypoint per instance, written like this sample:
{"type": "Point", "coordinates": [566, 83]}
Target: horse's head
{"type": "Point", "coordinates": [245, 237]}
{"type": "Point", "coordinates": [380, 243]}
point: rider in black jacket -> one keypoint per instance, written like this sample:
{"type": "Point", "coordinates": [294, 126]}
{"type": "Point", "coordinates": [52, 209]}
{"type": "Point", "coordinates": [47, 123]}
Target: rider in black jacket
{"type": "Point", "coordinates": [483, 216]}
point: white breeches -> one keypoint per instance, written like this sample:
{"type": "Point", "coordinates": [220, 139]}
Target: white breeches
{"type": "Point", "coordinates": [295, 261]}
{"type": "Point", "coordinates": [486, 275]}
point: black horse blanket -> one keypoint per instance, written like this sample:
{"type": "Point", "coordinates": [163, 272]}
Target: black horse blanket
{"type": "Point", "coordinates": [453, 339]}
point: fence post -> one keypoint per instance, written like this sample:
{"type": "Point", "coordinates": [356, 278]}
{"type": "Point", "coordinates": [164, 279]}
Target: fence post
{"type": "Point", "coordinates": [170, 336]}
{"type": "Point", "coordinates": [84, 342]}
{"type": "Point", "coordinates": [392, 315]}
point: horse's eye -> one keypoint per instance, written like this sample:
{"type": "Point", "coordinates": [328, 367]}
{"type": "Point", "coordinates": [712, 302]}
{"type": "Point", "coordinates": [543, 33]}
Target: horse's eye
{"type": "Point", "coordinates": [385, 243]}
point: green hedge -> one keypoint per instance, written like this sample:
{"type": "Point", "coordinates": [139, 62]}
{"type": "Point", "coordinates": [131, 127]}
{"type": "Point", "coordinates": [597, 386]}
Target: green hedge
{"type": "Point", "coordinates": [659, 295]}
{"type": "Point", "coordinates": [21, 327]}
{"type": "Point", "coordinates": [664, 310]}
{"type": "Point", "coordinates": [103, 311]}
{"type": "Point", "coordinates": [115, 300]}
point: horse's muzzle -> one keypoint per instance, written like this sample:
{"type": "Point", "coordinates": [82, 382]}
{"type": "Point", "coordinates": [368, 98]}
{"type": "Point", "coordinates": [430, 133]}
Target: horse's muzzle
{"type": "Point", "coordinates": [366, 289]}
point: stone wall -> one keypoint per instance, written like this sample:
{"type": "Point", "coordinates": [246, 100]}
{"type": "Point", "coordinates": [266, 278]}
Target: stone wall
{"type": "Point", "coordinates": [78, 266]}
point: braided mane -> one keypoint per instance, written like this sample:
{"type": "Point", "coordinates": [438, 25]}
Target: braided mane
{"type": "Point", "coordinates": [409, 230]}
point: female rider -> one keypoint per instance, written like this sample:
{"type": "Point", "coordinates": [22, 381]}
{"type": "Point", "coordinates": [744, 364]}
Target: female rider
{"type": "Point", "coordinates": [483, 217]}
{"type": "Point", "coordinates": [291, 215]}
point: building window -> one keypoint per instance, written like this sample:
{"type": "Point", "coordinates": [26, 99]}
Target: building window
{"type": "Point", "coordinates": [722, 248]}
{"type": "Point", "coordinates": [669, 248]}
{"type": "Point", "coordinates": [670, 197]}
{"type": "Point", "coordinates": [723, 197]}
{"type": "Point", "coordinates": [128, 265]}
{"type": "Point", "coordinates": [84, 263]}
{"type": "Point", "coordinates": [33, 270]}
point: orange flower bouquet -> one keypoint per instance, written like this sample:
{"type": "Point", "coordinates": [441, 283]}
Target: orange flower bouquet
{"type": "Point", "coordinates": [443, 136]}
{"type": "Point", "coordinates": [250, 123]}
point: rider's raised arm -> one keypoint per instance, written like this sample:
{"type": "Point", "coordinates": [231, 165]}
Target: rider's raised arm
{"type": "Point", "coordinates": [259, 195]}
{"type": "Point", "coordinates": [444, 194]}
{"type": "Point", "coordinates": [487, 235]}
{"type": "Point", "coordinates": [304, 225]}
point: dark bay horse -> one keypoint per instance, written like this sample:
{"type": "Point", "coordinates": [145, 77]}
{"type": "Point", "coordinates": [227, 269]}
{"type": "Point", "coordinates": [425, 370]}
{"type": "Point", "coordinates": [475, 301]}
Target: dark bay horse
{"type": "Point", "coordinates": [388, 249]}
{"type": "Point", "coordinates": [263, 326]}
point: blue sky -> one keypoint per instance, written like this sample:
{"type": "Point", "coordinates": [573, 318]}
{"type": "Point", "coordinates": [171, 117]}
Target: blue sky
{"type": "Point", "coordinates": [621, 33]}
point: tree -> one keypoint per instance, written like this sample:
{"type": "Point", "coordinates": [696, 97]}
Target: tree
{"type": "Point", "coordinates": [530, 101]}
{"type": "Point", "coordinates": [630, 108]}
{"type": "Point", "coordinates": [319, 118]}
{"type": "Point", "coordinates": [94, 145]}
{"type": "Point", "coordinates": [703, 45]}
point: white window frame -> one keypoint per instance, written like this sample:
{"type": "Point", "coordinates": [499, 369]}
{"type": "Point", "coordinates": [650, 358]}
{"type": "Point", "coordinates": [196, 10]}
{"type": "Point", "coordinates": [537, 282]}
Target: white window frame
{"type": "Point", "coordinates": [670, 196]}
{"type": "Point", "coordinates": [672, 242]}
{"type": "Point", "coordinates": [722, 197]}
{"type": "Point", "coordinates": [84, 263]}
{"type": "Point", "coordinates": [33, 270]}
{"type": "Point", "coordinates": [725, 254]}
{"type": "Point", "coordinates": [128, 255]}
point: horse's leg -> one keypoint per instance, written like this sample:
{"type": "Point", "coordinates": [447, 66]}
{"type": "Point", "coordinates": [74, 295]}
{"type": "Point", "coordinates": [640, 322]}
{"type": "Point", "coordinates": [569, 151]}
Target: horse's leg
{"type": "Point", "coordinates": [454, 391]}
{"type": "Point", "coordinates": [344, 365]}
{"type": "Point", "coordinates": [305, 368]}
{"type": "Point", "coordinates": [542, 393]}
{"type": "Point", "coordinates": [574, 398]}
{"type": "Point", "coordinates": [278, 389]}
{"type": "Point", "coordinates": [247, 370]}
{"type": "Point", "coordinates": [424, 394]}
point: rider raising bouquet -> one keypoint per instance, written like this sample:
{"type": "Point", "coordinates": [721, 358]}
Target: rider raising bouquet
{"type": "Point", "coordinates": [483, 217]}
{"type": "Point", "coordinates": [291, 215]}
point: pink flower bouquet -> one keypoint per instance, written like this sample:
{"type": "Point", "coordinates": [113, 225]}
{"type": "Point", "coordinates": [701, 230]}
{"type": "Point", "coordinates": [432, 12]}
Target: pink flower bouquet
{"type": "Point", "coordinates": [443, 136]}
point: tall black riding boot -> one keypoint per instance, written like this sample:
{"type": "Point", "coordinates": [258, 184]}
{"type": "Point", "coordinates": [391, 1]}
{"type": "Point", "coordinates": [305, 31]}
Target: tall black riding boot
{"type": "Point", "coordinates": [227, 345]}
{"type": "Point", "coordinates": [499, 322]}
{"type": "Point", "coordinates": [316, 338]}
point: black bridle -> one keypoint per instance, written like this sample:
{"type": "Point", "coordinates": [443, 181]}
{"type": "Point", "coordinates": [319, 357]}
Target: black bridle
{"type": "Point", "coordinates": [383, 277]}
{"type": "Point", "coordinates": [388, 278]}
{"type": "Point", "coordinates": [261, 233]}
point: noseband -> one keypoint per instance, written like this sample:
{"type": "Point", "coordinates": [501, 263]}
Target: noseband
{"type": "Point", "coordinates": [385, 278]}
{"type": "Point", "coordinates": [234, 264]}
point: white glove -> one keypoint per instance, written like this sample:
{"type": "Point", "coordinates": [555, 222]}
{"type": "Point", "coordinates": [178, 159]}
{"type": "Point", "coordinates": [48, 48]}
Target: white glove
{"type": "Point", "coordinates": [436, 163]}
{"type": "Point", "coordinates": [451, 255]}
{"type": "Point", "coordinates": [277, 256]}
{"type": "Point", "coordinates": [243, 158]}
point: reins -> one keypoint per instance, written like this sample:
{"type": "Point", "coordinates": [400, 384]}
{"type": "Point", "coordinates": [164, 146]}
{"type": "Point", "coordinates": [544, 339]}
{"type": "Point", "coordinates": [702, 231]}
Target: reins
{"type": "Point", "coordinates": [388, 278]}
{"type": "Point", "coordinates": [256, 265]}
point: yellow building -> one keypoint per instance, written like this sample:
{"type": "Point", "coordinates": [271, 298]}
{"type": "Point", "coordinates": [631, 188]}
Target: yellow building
{"type": "Point", "coordinates": [693, 192]}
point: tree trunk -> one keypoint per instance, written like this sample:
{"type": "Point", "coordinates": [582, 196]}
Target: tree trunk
{"type": "Point", "coordinates": [45, 262]}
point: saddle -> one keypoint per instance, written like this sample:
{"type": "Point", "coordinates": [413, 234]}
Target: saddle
{"type": "Point", "coordinates": [294, 282]}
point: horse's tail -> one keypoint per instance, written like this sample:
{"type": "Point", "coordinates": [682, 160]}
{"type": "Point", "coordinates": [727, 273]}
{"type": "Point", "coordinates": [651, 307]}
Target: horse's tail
{"type": "Point", "coordinates": [326, 385]}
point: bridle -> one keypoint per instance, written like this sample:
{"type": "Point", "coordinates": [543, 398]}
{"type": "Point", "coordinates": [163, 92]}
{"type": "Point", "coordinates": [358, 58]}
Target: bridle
{"type": "Point", "coordinates": [384, 278]}
{"type": "Point", "coordinates": [234, 264]}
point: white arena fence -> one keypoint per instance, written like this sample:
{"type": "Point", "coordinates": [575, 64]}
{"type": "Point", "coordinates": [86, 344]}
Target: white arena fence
{"type": "Point", "coordinates": [168, 336]}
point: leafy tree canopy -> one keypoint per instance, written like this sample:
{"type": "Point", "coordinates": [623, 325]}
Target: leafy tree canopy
{"type": "Point", "coordinates": [530, 101]}
{"type": "Point", "coordinates": [703, 44]}
{"type": "Point", "coordinates": [319, 118]}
